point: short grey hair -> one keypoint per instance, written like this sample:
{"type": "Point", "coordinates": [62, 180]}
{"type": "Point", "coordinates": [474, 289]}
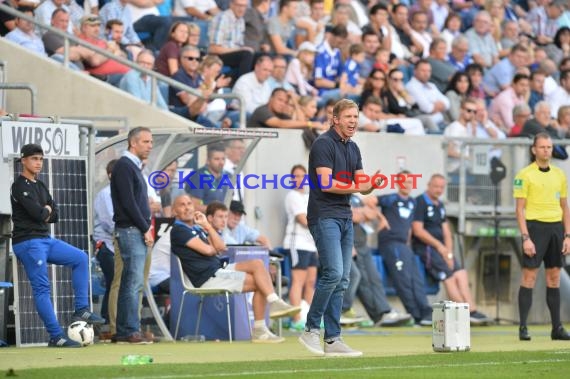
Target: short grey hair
{"type": "Point", "coordinates": [521, 108]}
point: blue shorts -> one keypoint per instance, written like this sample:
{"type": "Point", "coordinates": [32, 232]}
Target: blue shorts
{"type": "Point", "coordinates": [436, 266]}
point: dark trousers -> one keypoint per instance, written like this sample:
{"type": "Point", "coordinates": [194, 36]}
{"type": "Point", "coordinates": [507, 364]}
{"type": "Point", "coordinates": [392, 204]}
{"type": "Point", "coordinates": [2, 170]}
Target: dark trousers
{"type": "Point", "coordinates": [106, 260]}
{"type": "Point", "coordinates": [240, 61]}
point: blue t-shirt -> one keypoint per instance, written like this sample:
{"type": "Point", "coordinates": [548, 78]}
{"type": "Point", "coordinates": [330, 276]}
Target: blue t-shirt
{"type": "Point", "coordinates": [207, 187]}
{"type": "Point", "coordinates": [433, 217]}
{"type": "Point", "coordinates": [328, 64]}
{"type": "Point", "coordinates": [399, 212]}
{"type": "Point", "coordinates": [352, 70]}
{"type": "Point", "coordinates": [182, 77]}
{"type": "Point", "coordinates": [199, 268]}
{"type": "Point", "coordinates": [344, 159]}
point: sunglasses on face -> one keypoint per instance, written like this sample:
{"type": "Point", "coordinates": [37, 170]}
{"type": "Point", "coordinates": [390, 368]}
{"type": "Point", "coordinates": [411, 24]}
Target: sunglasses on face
{"type": "Point", "coordinates": [197, 59]}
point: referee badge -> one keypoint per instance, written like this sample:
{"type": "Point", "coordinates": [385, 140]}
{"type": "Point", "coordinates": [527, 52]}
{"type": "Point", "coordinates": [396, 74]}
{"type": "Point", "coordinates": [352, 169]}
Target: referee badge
{"type": "Point", "coordinates": [518, 183]}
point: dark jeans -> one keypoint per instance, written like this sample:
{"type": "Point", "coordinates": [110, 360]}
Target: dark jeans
{"type": "Point", "coordinates": [106, 259]}
{"type": "Point", "coordinates": [157, 27]}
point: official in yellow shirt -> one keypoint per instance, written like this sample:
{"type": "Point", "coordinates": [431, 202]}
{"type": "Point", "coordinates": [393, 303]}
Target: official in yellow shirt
{"type": "Point", "coordinates": [544, 222]}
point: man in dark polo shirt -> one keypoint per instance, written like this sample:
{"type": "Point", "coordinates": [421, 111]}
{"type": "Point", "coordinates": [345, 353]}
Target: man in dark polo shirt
{"type": "Point", "coordinates": [270, 115]}
{"type": "Point", "coordinates": [433, 242]}
{"type": "Point", "coordinates": [335, 172]}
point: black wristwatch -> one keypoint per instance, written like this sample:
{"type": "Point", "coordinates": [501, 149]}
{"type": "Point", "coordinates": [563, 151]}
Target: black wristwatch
{"type": "Point", "coordinates": [525, 237]}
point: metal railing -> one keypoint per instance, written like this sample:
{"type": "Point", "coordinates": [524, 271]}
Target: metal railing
{"type": "Point", "coordinates": [155, 76]}
{"type": "Point", "coordinates": [470, 190]}
{"type": "Point", "coordinates": [24, 86]}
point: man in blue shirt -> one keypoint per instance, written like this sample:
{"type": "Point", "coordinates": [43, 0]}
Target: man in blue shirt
{"type": "Point", "coordinates": [393, 245]}
{"type": "Point", "coordinates": [133, 232]}
{"type": "Point", "coordinates": [328, 64]}
{"type": "Point", "coordinates": [433, 242]}
{"type": "Point", "coordinates": [140, 84]}
{"type": "Point", "coordinates": [335, 171]}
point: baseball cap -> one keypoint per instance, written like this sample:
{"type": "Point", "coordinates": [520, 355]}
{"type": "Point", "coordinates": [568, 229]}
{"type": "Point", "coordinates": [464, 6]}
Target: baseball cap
{"type": "Point", "coordinates": [90, 19]}
{"type": "Point", "coordinates": [237, 207]}
{"type": "Point", "coordinates": [31, 149]}
{"type": "Point", "coordinates": [308, 46]}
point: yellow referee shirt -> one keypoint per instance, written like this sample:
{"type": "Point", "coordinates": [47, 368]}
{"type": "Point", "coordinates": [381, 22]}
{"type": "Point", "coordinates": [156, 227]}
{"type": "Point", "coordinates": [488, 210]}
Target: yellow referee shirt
{"type": "Point", "coordinates": [542, 191]}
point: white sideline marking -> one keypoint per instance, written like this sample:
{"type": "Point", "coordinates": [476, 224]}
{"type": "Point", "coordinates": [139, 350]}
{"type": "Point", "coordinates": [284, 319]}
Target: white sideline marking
{"type": "Point", "coordinates": [325, 370]}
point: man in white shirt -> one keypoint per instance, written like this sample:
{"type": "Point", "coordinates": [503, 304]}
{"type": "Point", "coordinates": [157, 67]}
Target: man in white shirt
{"type": "Point", "coordinates": [253, 86]}
{"type": "Point", "coordinates": [428, 98]}
{"type": "Point", "coordinates": [464, 127]}
{"type": "Point", "coordinates": [561, 96]}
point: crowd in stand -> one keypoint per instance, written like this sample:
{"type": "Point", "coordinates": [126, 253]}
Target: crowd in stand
{"type": "Point", "coordinates": [410, 61]}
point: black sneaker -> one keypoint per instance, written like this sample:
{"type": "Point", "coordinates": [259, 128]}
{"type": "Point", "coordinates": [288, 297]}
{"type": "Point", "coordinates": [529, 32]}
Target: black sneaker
{"type": "Point", "coordinates": [89, 317]}
{"type": "Point", "coordinates": [523, 334]}
{"type": "Point", "coordinates": [63, 341]}
{"type": "Point", "coordinates": [560, 334]}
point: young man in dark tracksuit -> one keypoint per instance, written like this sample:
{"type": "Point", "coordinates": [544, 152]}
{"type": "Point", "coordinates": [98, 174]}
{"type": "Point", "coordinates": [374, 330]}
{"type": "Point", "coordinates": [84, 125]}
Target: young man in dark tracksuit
{"type": "Point", "coordinates": [32, 210]}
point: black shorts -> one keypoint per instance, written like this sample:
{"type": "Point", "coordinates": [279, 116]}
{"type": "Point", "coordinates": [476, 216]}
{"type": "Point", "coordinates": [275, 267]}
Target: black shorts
{"type": "Point", "coordinates": [303, 259]}
{"type": "Point", "coordinates": [547, 238]}
{"type": "Point", "coordinates": [436, 266]}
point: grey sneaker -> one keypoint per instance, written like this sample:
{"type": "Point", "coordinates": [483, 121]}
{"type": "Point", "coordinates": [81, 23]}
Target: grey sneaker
{"type": "Point", "coordinates": [312, 341]}
{"type": "Point", "coordinates": [395, 318]}
{"type": "Point", "coordinates": [279, 308]}
{"type": "Point", "coordinates": [265, 336]}
{"type": "Point", "coordinates": [339, 349]}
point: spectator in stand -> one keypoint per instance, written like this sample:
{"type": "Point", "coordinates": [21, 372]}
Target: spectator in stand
{"type": "Point", "coordinates": [485, 127]}
{"type": "Point", "coordinates": [564, 121]}
{"type": "Point", "coordinates": [167, 62]}
{"type": "Point", "coordinates": [500, 76]}
{"type": "Point", "coordinates": [374, 85]}
{"type": "Point", "coordinates": [482, 46]}
{"type": "Point", "coordinates": [459, 56]}
{"type": "Point", "coordinates": [441, 70]}
{"type": "Point", "coordinates": [398, 100]}
{"type": "Point", "coordinates": [300, 70]}
{"type": "Point", "coordinates": [312, 27]}
{"type": "Point", "coordinates": [422, 6]}
{"type": "Point", "coordinates": [501, 109]}
{"type": "Point", "coordinates": [255, 35]}
{"type": "Point", "coordinates": [463, 127]}
{"type": "Point", "coordinates": [148, 19]}
{"type": "Point", "coordinates": [24, 35]}
{"type": "Point", "coordinates": [254, 86]}
{"type": "Point", "coordinates": [114, 29]}
{"type": "Point", "coordinates": [382, 60]}
{"type": "Point", "coordinates": [536, 88]}
{"type": "Point", "coordinates": [451, 30]}
{"type": "Point", "coordinates": [109, 70]}
{"type": "Point", "coordinates": [405, 46]}
{"type": "Point", "coordinates": [420, 33]}
{"type": "Point", "coordinates": [44, 12]}
{"type": "Point", "coordinates": [541, 122]}
{"type": "Point", "coordinates": [561, 96]}
{"type": "Point", "coordinates": [521, 113]}
{"type": "Point", "coordinates": [139, 84]}
{"type": "Point", "coordinates": [475, 73]}
{"type": "Point", "coordinates": [496, 11]}
{"type": "Point", "coordinates": [328, 64]}
{"type": "Point", "coordinates": [195, 36]}
{"type": "Point", "coordinates": [457, 90]}
{"type": "Point", "coordinates": [197, 10]}
{"type": "Point", "coordinates": [281, 28]}
{"type": "Point", "coordinates": [562, 43]}
{"type": "Point", "coordinates": [306, 109]}
{"type": "Point", "coordinates": [371, 44]}
{"type": "Point", "coordinates": [510, 35]}
{"type": "Point", "coordinates": [440, 11]}
{"type": "Point", "coordinates": [350, 81]}
{"type": "Point", "coordinates": [227, 39]}
{"type": "Point", "coordinates": [433, 242]}
{"type": "Point", "coordinates": [187, 74]}
{"type": "Point", "coordinates": [277, 78]}
{"type": "Point", "coordinates": [272, 114]}
{"type": "Point", "coordinates": [341, 16]}
{"type": "Point", "coordinates": [544, 21]}
{"type": "Point", "coordinates": [373, 119]}
{"type": "Point", "coordinates": [429, 99]}
{"type": "Point", "coordinates": [299, 245]}
{"type": "Point", "coordinates": [118, 10]}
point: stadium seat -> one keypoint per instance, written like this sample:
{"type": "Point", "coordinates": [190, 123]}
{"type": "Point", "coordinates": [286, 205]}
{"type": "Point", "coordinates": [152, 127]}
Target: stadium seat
{"type": "Point", "coordinates": [189, 289]}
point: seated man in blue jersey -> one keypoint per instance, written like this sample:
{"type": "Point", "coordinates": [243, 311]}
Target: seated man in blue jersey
{"type": "Point", "coordinates": [433, 242]}
{"type": "Point", "coordinates": [198, 245]}
{"type": "Point", "coordinates": [210, 182]}
{"type": "Point", "coordinates": [394, 246]}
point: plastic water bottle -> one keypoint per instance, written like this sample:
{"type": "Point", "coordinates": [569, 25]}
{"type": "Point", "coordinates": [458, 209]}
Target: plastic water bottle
{"type": "Point", "coordinates": [134, 359]}
{"type": "Point", "coordinates": [193, 338]}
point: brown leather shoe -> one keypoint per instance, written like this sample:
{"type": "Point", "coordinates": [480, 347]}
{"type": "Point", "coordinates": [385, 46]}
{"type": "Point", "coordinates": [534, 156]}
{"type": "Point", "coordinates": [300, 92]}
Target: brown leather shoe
{"type": "Point", "coordinates": [134, 339]}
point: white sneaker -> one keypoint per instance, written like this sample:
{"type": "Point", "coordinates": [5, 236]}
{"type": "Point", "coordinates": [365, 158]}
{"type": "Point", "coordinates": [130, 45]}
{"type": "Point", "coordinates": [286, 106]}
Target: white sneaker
{"type": "Point", "coordinates": [312, 341]}
{"type": "Point", "coordinates": [265, 336]}
{"type": "Point", "coordinates": [279, 308]}
{"type": "Point", "coordinates": [394, 318]}
{"type": "Point", "coordinates": [339, 349]}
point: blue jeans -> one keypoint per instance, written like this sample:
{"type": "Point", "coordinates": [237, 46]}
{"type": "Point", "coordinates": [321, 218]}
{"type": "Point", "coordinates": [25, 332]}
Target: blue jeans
{"type": "Point", "coordinates": [133, 252]}
{"type": "Point", "coordinates": [334, 240]}
{"type": "Point", "coordinates": [106, 259]}
{"type": "Point", "coordinates": [35, 254]}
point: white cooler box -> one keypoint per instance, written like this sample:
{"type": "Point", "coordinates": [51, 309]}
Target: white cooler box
{"type": "Point", "coordinates": [451, 326]}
